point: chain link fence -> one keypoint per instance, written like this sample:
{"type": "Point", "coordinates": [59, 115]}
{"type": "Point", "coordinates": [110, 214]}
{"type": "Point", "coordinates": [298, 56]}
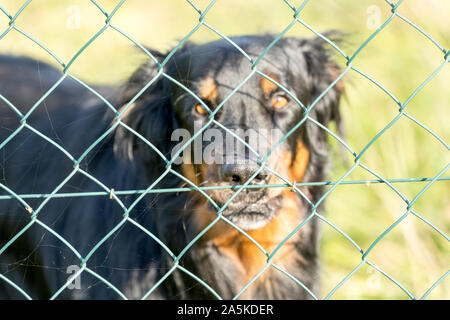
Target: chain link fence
{"type": "Point", "coordinates": [34, 212]}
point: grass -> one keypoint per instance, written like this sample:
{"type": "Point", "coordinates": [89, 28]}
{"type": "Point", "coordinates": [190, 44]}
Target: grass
{"type": "Point", "coordinates": [400, 58]}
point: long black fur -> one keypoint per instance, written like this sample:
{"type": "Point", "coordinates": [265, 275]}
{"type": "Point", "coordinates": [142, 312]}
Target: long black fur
{"type": "Point", "coordinates": [74, 118]}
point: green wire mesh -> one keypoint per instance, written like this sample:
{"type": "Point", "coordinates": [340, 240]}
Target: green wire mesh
{"type": "Point", "coordinates": [252, 70]}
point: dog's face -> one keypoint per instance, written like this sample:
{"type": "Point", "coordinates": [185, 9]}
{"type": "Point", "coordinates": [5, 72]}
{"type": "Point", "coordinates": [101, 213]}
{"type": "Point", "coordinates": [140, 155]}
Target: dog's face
{"type": "Point", "coordinates": [246, 121]}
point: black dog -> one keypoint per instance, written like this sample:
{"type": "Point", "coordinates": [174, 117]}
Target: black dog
{"type": "Point", "coordinates": [40, 262]}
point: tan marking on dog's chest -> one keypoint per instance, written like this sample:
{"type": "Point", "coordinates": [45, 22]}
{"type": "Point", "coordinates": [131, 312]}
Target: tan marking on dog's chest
{"type": "Point", "coordinates": [248, 258]}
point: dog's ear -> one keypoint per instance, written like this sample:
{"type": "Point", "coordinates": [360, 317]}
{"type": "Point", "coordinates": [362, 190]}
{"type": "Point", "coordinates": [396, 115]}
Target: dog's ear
{"type": "Point", "coordinates": [319, 71]}
{"type": "Point", "coordinates": [151, 115]}
{"type": "Point", "coordinates": [322, 71]}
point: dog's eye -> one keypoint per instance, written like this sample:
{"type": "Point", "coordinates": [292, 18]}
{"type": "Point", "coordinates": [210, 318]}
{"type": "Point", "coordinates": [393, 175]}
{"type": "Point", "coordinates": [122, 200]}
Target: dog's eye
{"type": "Point", "coordinates": [200, 109]}
{"type": "Point", "coordinates": [279, 101]}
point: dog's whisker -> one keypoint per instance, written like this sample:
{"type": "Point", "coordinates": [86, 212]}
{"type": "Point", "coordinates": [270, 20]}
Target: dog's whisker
{"type": "Point", "coordinates": [193, 198]}
{"type": "Point", "coordinates": [203, 183]}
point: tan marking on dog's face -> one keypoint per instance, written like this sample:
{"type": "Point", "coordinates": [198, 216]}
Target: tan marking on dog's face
{"type": "Point", "coordinates": [286, 165]}
{"type": "Point", "coordinates": [300, 163]}
{"type": "Point", "coordinates": [267, 86]}
{"type": "Point", "coordinates": [207, 89]}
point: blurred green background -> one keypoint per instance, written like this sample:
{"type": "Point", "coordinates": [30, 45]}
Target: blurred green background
{"type": "Point", "coordinates": [400, 58]}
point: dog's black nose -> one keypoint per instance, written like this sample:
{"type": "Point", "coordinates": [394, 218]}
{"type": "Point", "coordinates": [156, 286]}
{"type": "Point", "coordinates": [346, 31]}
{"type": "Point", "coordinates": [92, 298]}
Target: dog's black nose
{"type": "Point", "coordinates": [240, 173]}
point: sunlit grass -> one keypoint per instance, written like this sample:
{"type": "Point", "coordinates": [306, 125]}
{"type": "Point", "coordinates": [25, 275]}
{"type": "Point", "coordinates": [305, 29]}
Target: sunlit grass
{"type": "Point", "coordinates": [400, 58]}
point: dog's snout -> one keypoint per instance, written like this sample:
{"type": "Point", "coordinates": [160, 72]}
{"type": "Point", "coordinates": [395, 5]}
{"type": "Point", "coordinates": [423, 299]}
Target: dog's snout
{"type": "Point", "coordinates": [240, 173]}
